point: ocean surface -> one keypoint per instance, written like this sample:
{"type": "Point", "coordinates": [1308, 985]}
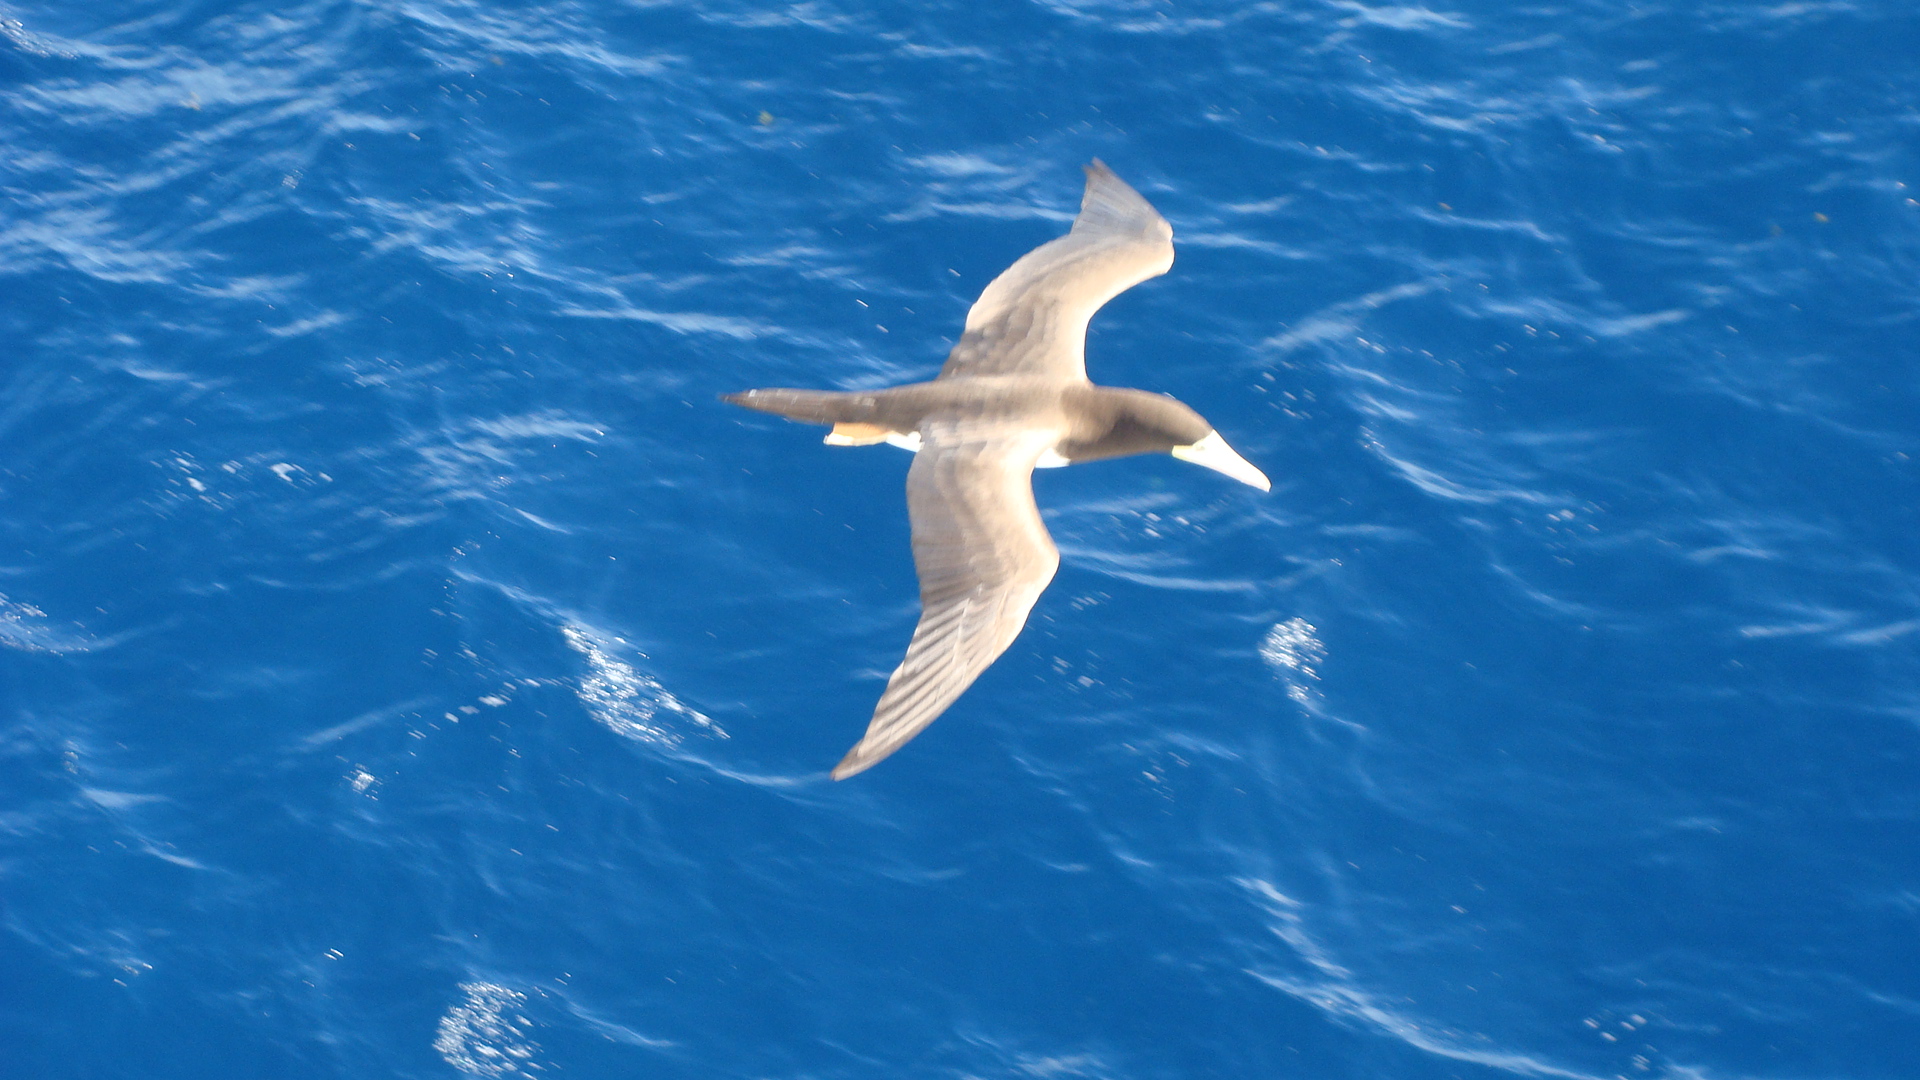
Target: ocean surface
{"type": "Point", "coordinates": [408, 668]}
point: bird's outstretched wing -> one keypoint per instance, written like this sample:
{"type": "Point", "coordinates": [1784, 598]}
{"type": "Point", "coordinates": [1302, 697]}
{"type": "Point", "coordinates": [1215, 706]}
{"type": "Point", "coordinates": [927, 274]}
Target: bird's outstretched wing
{"type": "Point", "coordinates": [983, 557]}
{"type": "Point", "coordinates": [1032, 320]}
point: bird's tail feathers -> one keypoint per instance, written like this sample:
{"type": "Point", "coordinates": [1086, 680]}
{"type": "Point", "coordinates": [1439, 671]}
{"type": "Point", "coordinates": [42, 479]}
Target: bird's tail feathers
{"type": "Point", "coordinates": [809, 406]}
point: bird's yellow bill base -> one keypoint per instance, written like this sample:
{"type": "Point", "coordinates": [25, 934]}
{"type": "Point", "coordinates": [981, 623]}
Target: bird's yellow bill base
{"type": "Point", "coordinates": [1214, 453]}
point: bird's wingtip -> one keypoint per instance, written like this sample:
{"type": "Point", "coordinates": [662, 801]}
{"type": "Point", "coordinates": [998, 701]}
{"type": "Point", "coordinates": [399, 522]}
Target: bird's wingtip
{"type": "Point", "coordinates": [852, 764]}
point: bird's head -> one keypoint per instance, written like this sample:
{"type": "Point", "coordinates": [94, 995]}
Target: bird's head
{"type": "Point", "coordinates": [1137, 422]}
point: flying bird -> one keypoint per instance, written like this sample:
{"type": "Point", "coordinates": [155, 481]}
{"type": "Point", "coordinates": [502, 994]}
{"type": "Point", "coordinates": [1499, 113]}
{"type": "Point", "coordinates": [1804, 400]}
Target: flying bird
{"type": "Point", "coordinates": [1013, 396]}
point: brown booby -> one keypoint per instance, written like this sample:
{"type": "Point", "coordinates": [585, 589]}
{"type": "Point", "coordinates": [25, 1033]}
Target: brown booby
{"type": "Point", "coordinates": [1013, 396]}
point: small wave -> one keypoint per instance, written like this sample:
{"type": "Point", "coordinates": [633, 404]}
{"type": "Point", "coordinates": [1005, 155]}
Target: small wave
{"type": "Point", "coordinates": [1332, 990]}
{"type": "Point", "coordinates": [1342, 319]}
{"type": "Point", "coordinates": [682, 322]}
{"type": "Point", "coordinates": [1634, 324]}
{"type": "Point", "coordinates": [1402, 17]}
{"type": "Point", "coordinates": [21, 628]}
{"type": "Point", "coordinates": [1484, 489]}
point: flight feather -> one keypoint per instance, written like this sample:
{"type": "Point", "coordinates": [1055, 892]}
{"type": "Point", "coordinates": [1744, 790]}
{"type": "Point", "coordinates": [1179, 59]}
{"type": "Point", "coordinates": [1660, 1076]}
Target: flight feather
{"type": "Point", "coordinates": [1032, 319]}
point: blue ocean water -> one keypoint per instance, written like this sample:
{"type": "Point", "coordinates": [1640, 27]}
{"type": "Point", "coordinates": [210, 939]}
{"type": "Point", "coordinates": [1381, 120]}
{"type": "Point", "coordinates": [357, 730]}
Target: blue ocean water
{"type": "Point", "coordinates": [408, 668]}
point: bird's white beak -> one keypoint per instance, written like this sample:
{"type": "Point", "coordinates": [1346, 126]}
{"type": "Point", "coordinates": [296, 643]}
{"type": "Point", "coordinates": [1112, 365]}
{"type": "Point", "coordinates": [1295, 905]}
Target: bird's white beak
{"type": "Point", "coordinates": [1215, 454]}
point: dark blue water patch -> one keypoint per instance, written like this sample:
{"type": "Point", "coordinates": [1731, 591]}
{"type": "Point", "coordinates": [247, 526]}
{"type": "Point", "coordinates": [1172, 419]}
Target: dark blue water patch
{"type": "Point", "coordinates": [409, 667]}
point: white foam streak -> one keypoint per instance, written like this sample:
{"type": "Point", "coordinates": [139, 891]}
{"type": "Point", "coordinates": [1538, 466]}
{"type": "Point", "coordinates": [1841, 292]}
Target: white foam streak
{"type": "Point", "coordinates": [1291, 649]}
{"type": "Point", "coordinates": [481, 1036]}
{"type": "Point", "coordinates": [627, 701]}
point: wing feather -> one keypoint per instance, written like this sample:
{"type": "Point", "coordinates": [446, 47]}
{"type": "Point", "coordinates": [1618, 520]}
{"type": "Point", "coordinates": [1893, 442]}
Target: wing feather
{"type": "Point", "coordinates": [1032, 319]}
{"type": "Point", "coordinates": [983, 556]}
